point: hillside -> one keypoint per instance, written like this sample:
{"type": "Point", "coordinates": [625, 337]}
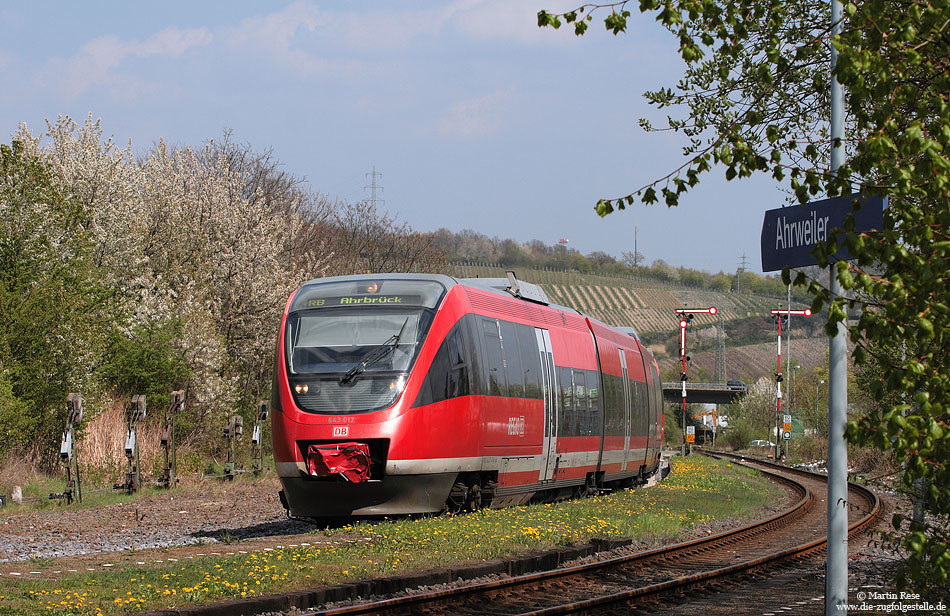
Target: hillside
{"type": "Point", "coordinates": [752, 361]}
{"type": "Point", "coordinates": [648, 307]}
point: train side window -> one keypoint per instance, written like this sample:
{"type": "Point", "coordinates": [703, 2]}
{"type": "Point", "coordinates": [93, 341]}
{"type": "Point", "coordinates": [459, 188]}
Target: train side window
{"type": "Point", "coordinates": [593, 397]}
{"type": "Point", "coordinates": [568, 419]}
{"type": "Point", "coordinates": [468, 326]}
{"type": "Point", "coordinates": [636, 412]}
{"type": "Point", "coordinates": [644, 397]}
{"type": "Point", "coordinates": [530, 361]}
{"type": "Point", "coordinates": [449, 375]}
{"type": "Point", "coordinates": [613, 402]}
{"type": "Point", "coordinates": [581, 401]}
{"type": "Point", "coordinates": [514, 371]}
{"type": "Point", "coordinates": [496, 369]}
{"type": "Point", "coordinates": [459, 376]}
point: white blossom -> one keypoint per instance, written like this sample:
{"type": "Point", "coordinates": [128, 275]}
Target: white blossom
{"type": "Point", "coordinates": [177, 237]}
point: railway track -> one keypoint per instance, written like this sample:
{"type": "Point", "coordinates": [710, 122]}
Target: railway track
{"type": "Point", "coordinates": [654, 576]}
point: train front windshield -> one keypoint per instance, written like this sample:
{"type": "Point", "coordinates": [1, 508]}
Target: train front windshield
{"type": "Point", "coordinates": [350, 345]}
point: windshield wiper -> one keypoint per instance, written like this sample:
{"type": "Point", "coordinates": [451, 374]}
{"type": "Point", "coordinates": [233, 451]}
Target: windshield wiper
{"type": "Point", "coordinates": [377, 354]}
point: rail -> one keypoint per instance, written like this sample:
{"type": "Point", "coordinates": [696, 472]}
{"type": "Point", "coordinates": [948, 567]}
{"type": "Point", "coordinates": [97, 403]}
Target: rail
{"type": "Point", "coordinates": [521, 589]}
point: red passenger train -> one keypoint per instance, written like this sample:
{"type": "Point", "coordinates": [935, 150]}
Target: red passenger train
{"type": "Point", "coordinates": [415, 393]}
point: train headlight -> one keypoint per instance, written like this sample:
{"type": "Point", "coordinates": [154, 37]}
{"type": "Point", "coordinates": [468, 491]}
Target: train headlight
{"type": "Point", "coordinates": [301, 388]}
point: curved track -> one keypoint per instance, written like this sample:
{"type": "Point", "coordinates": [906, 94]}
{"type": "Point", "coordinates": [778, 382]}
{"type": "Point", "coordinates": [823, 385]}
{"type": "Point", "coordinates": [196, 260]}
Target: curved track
{"type": "Point", "coordinates": [653, 575]}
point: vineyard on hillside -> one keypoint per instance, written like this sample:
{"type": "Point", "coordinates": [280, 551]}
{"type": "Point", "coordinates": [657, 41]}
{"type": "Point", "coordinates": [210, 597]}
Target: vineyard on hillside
{"type": "Point", "coordinates": [645, 305]}
{"type": "Point", "coordinates": [752, 361]}
{"type": "Point", "coordinates": [648, 306]}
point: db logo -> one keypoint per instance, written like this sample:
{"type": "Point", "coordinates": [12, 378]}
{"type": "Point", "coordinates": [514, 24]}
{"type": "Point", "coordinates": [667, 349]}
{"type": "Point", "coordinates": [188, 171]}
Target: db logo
{"type": "Point", "coordinates": [516, 426]}
{"type": "Point", "coordinates": [341, 430]}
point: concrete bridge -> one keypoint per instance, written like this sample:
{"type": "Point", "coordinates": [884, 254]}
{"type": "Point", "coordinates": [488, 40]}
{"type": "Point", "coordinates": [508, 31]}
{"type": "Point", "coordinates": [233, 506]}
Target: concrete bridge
{"type": "Point", "coordinates": [712, 393]}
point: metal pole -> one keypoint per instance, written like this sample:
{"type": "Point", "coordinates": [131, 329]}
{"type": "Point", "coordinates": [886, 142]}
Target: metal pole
{"type": "Point", "coordinates": [173, 468]}
{"type": "Point", "coordinates": [791, 387]}
{"type": "Point", "coordinates": [788, 348]}
{"type": "Point", "coordinates": [836, 567]}
{"type": "Point", "coordinates": [683, 324]}
{"type": "Point", "coordinates": [778, 392]}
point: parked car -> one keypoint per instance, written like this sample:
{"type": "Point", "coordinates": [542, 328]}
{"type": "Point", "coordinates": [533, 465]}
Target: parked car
{"type": "Point", "coordinates": [761, 443]}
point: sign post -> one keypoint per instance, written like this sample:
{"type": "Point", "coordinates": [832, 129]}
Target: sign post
{"type": "Point", "coordinates": [786, 431]}
{"type": "Point", "coordinates": [789, 234]}
{"type": "Point", "coordinates": [789, 243]}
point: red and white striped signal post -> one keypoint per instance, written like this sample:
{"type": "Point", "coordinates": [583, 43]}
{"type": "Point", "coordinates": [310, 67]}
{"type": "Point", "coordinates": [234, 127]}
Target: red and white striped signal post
{"type": "Point", "coordinates": [781, 316]}
{"type": "Point", "coordinates": [686, 316]}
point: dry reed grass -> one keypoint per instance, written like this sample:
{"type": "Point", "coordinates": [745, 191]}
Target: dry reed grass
{"type": "Point", "coordinates": [100, 450]}
{"type": "Point", "coordinates": [101, 447]}
{"type": "Point", "coordinates": [19, 470]}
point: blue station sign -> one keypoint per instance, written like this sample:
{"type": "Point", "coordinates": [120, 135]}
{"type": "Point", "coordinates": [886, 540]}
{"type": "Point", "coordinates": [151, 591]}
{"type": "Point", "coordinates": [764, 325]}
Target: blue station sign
{"type": "Point", "coordinates": [789, 234]}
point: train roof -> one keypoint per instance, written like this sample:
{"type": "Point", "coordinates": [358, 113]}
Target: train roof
{"type": "Point", "coordinates": [508, 287]}
{"type": "Point", "coordinates": [629, 331]}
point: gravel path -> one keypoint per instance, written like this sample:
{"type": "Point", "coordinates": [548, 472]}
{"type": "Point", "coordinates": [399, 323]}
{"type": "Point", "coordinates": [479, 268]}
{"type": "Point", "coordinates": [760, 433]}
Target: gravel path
{"type": "Point", "coordinates": [198, 512]}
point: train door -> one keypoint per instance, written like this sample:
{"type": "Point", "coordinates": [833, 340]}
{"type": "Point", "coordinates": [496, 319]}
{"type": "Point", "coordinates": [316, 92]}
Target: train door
{"type": "Point", "coordinates": [549, 393]}
{"type": "Point", "coordinates": [626, 411]}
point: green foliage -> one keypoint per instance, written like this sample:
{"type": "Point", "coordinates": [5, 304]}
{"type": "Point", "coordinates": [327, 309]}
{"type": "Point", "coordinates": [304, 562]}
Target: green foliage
{"type": "Point", "coordinates": [755, 94]}
{"type": "Point", "coordinates": [14, 415]}
{"type": "Point", "coordinates": [49, 302]}
{"type": "Point", "coordinates": [672, 432]}
{"type": "Point", "coordinates": [741, 432]}
{"type": "Point", "coordinates": [146, 361]}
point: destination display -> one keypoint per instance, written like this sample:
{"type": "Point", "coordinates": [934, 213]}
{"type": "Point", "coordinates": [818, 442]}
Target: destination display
{"type": "Point", "coordinates": [368, 292]}
{"type": "Point", "coordinates": [789, 234]}
{"type": "Point", "coordinates": [356, 300]}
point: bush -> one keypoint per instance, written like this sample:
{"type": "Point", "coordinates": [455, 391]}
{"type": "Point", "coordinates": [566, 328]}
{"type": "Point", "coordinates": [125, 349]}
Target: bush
{"type": "Point", "coordinates": [739, 434]}
{"type": "Point", "coordinates": [51, 301]}
{"type": "Point", "coordinates": [146, 361]}
{"type": "Point", "coordinates": [672, 433]}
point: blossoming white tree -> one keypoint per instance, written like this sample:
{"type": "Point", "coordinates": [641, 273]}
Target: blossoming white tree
{"type": "Point", "coordinates": [178, 237]}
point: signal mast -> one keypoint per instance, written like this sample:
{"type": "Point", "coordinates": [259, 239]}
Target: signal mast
{"type": "Point", "coordinates": [781, 316]}
{"type": "Point", "coordinates": [686, 317]}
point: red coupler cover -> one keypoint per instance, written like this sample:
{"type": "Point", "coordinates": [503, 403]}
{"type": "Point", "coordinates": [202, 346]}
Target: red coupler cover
{"type": "Point", "coordinates": [349, 460]}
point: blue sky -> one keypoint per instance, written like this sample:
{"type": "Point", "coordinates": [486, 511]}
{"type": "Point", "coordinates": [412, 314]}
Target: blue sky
{"type": "Point", "coordinates": [475, 117]}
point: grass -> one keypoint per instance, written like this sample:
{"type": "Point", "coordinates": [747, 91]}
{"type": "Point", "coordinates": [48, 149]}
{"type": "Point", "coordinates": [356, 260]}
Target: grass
{"type": "Point", "coordinates": [42, 487]}
{"type": "Point", "coordinates": [700, 490]}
